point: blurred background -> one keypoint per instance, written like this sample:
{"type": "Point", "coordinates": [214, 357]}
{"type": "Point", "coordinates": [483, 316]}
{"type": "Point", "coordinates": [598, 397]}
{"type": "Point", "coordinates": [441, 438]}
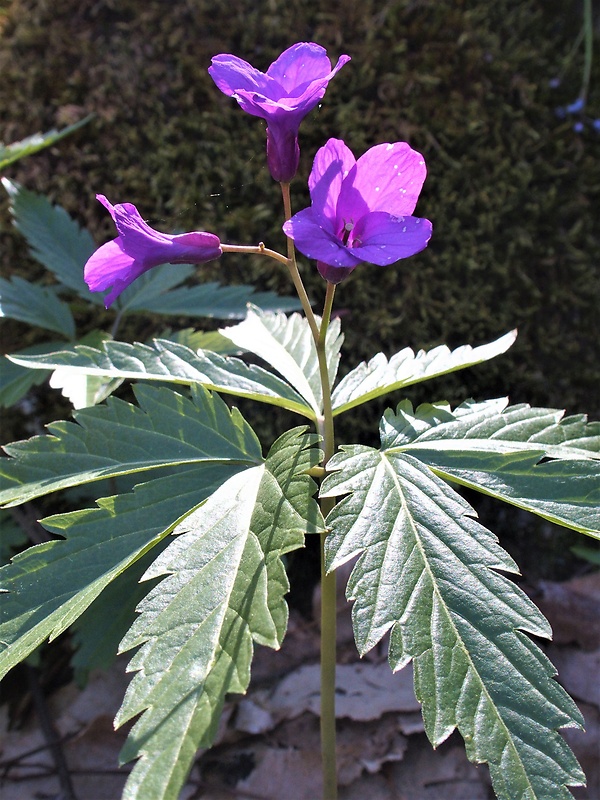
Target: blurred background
{"type": "Point", "coordinates": [482, 89]}
{"type": "Point", "coordinates": [486, 90]}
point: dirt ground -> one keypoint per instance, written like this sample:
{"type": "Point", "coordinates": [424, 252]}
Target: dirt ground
{"type": "Point", "coordinates": [268, 743]}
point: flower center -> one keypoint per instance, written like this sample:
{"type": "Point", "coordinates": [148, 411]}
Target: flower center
{"type": "Point", "coordinates": [346, 231]}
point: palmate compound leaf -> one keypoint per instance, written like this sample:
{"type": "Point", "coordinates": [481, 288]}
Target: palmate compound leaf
{"type": "Point", "coordinates": [47, 587]}
{"type": "Point", "coordinates": [427, 573]}
{"type": "Point", "coordinates": [166, 430]}
{"type": "Point", "coordinates": [96, 634]}
{"type": "Point", "coordinates": [15, 381]}
{"type": "Point", "coordinates": [36, 305]}
{"type": "Point", "coordinates": [534, 458]}
{"type": "Point", "coordinates": [160, 291]}
{"type": "Point", "coordinates": [380, 376]}
{"type": "Point", "coordinates": [172, 362]}
{"type": "Point", "coordinates": [201, 300]}
{"type": "Point", "coordinates": [287, 344]}
{"type": "Point", "coordinates": [224, 590]}
{"type": "Point", "coordinates": [190, 447]}
{"type": "Point", "coordinates": [54, 238]}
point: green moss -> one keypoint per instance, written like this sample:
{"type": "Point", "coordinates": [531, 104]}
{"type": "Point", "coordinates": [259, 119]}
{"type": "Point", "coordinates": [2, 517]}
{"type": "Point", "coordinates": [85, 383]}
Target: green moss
{"type": "Point", "coordinates": [512, 190]}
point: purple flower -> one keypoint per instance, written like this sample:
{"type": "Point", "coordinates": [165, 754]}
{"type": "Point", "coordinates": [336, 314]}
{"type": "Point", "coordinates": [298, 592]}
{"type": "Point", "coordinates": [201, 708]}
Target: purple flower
{"type": "Point", "coordinates": [361, 210]}
{"type": "Point", "coordinates": [283, 96]}
{"type": "Point", "coordinates": [138, 248]}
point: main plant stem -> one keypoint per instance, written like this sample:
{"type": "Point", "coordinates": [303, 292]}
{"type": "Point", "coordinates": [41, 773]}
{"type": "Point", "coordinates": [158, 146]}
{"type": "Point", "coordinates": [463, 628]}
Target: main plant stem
{"type": "Point", "coordinates": [328, 582]}
{"type": "Point", "coordinates": [328, 661]}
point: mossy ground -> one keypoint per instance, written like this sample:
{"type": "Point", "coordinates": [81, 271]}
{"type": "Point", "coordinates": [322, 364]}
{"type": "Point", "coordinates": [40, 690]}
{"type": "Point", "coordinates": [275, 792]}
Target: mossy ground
{"type": "Point", "coordinates": [512, 190]}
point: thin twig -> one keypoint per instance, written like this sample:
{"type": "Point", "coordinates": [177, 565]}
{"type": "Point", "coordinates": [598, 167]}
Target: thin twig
{"type": "Point", "coordinates": [50, 734]}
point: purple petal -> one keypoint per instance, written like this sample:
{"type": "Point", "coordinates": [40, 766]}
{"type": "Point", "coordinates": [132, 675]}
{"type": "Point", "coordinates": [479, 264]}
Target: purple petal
{"type": "Point", "coordinates": [232, 74]}
{"type": "Point", "coordinates": [194, 247]}
{"type": "Point", "coordinates": [138, 248]}
{"type": "Point", "coordinates": [303, 64]}
{"type": "Point", "coordinates": [107, 264]}
{"type": "Point", "coordinates": [277, 105]}
{"type": "Point", "coordinates": [300, 64]}
{"type": "Point", "coordinates": [389, 177]}
{"type": "Point", "coordinates": [107, 204]}
{"type": "Point", "coordinates": [152, 247]}
{"type": "Point", "coordinates": [110, 266]}
{"type": "Point", "coordinates": [305, 96]}
{"type": "Point", "coordinates": [331, 165]}
{"type": "Point", "coordinates": [292, 86]}
{"type": "Point", "coordinates": [294, 83]}
{"type": "Point", "coordinates": [139, 239]}
{"type": "Point", "coordinates": [259, 105]}
{"type": "Point", "coordinates": [386, 238]}
{"type": "Point", "coordinates": [315, 242]}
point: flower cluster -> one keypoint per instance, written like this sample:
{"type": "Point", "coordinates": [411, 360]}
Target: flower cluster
{"type": "Point", "coordinates": [361, 210]}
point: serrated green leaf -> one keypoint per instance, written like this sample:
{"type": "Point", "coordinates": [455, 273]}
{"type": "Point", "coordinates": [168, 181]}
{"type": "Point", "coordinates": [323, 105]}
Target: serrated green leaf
{"type": "Point", "coordinates": [119, 438]}
{"type": "Point", "coordinates": [491, 424]}
{"type": "Point", "coordinates": [155, 292]}
{"type": "Point", "coordinates": [287, 345]}
{"type": "Point", "coordinates": [36, 305]}
{"type": "Point", "coordinates": [54, 238]}
{"type": "Point", "coordinates": [36, 142]}
{"type": "Point", "coordinates": [96, 634]}
{"type": "Point", "coordinates": [16, 381]}
{"type": "Point", "coordinates": [201, 340]}
{"type": "Point", "coordinates": [380, 376]}
{"type": "Point", "coordinates": [534, 458]}
{"type": "Point", "coordinates": [225, 590]}
{"type": "Point", "coordinates": [427, 573]}
{"type": "Point", "coordinates": [175, 363]}
{"type": "Point", "coordinates": [13, 536]}
{"type": "Point", "coordinates": [47, 587]}
{"type": "Point", "coordinates": [152, 284]}
{"type": "Point", "coordinates": [83, 390]}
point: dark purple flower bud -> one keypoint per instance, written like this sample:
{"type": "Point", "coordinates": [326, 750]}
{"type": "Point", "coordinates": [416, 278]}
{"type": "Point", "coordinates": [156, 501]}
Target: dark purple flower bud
{"type": "Point", "coordinates": [333, 274]}
{"type": "Point", "coordinates": [138, 248]}
{"type": "Point", "coordinates": [282, 96]}
{"type": "Point", "coordinates": [361, 210]}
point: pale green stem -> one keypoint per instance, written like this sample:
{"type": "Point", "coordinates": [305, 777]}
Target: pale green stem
{"type": "Point", "coordinates": [328, 661]}
{"type": "Point", "coordinates": [328, 431]}
{"type": "Point", "coordinates": [258, 250]}
{"type": "Point", "coordinates": [328, 581]}
{"type": "Point", "coordinates": [293, 267]}
{"type": "Point", "coordinates": [116, 323]}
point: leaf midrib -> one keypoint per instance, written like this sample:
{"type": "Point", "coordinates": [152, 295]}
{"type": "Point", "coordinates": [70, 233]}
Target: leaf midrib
{"type": "Point", "coordinates": [508, 737]}
{"type": "Point", "coordinates": [497, 446]}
